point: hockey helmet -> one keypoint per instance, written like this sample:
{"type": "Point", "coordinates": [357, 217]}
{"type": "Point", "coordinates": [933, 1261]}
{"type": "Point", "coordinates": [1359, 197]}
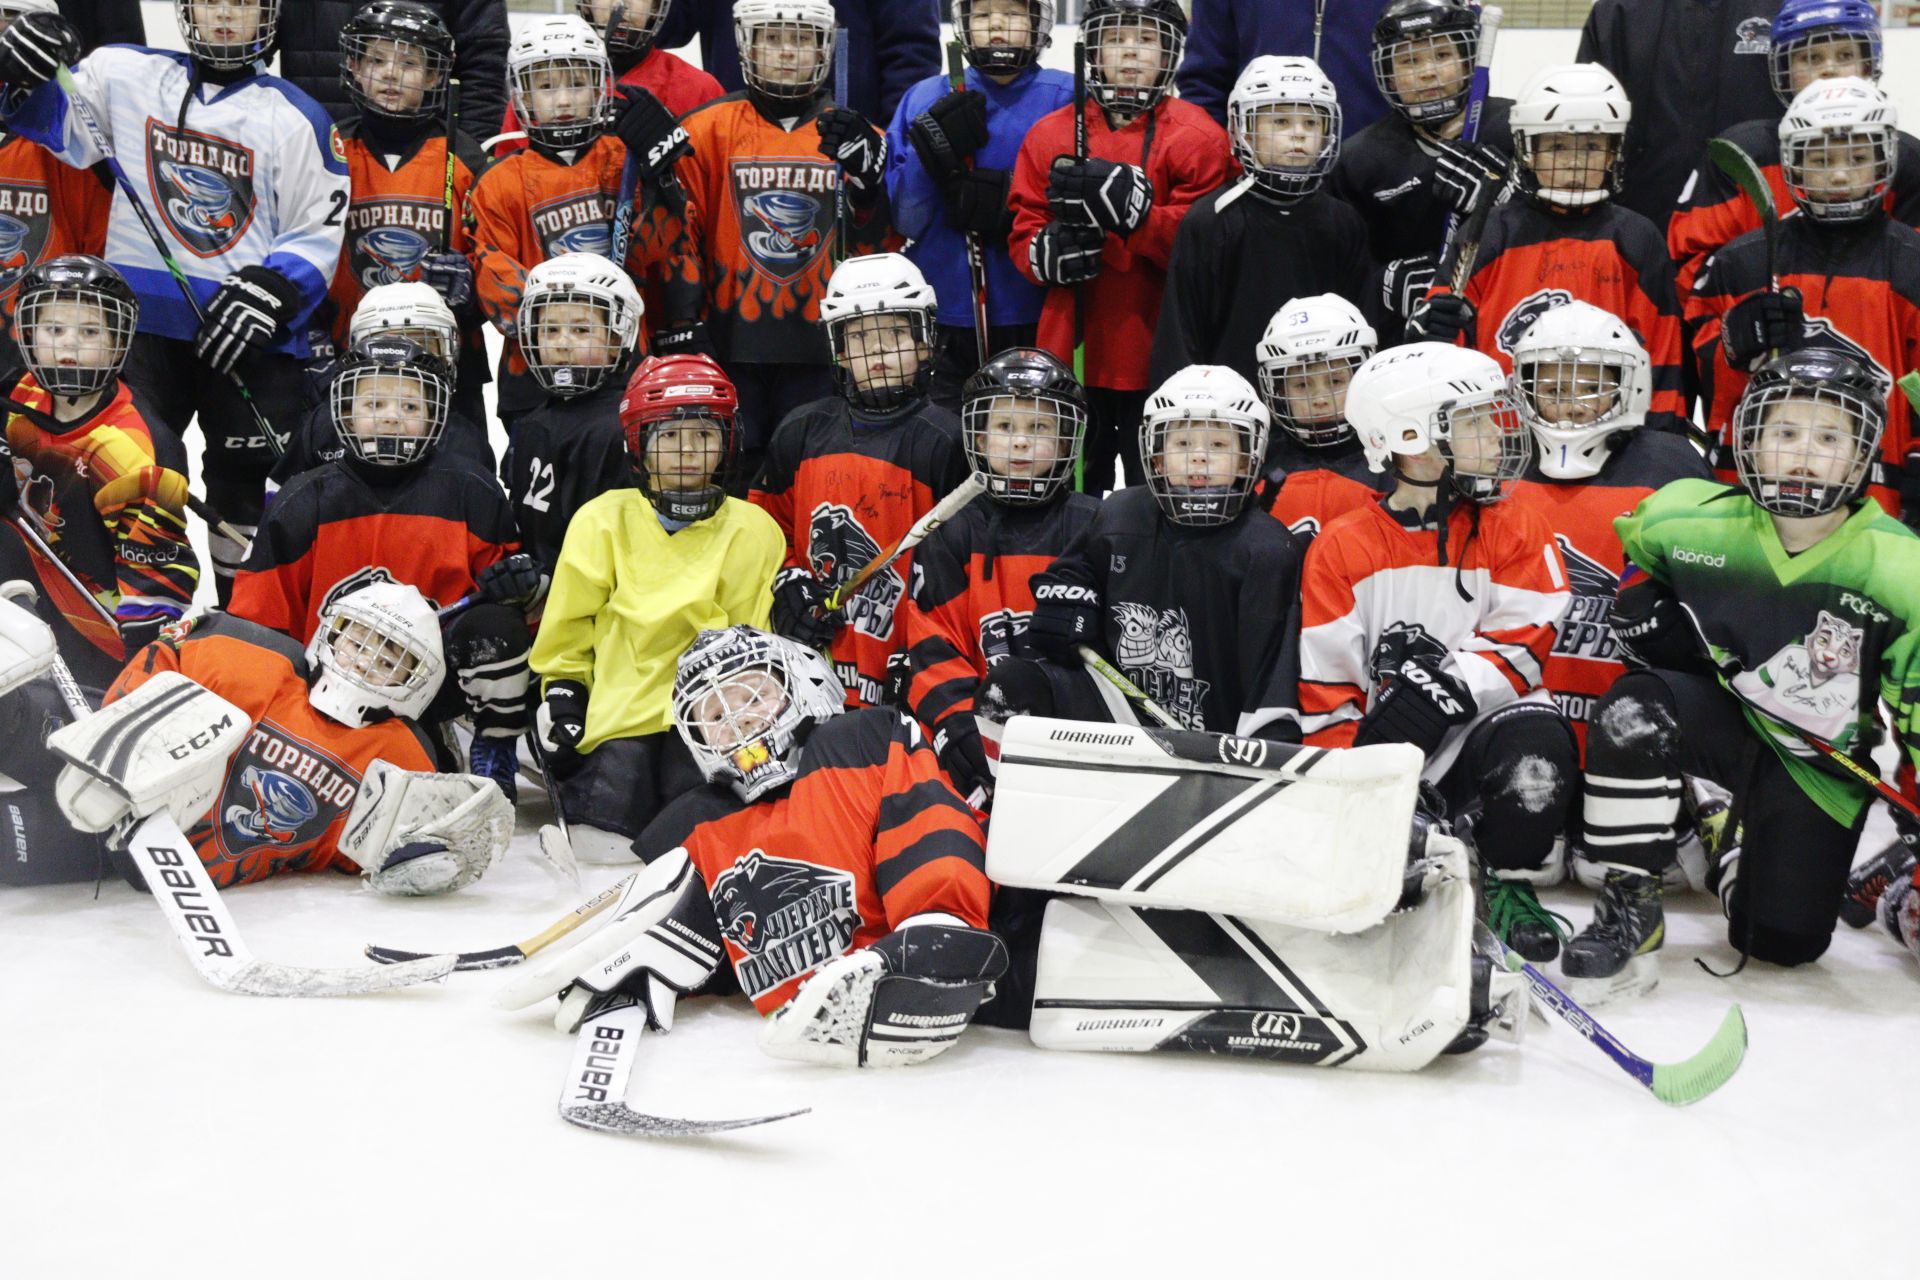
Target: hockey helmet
{"type": "Point", "coordinates": [389, 402]}
{"type": "Point", "coordinates": [1308, 356]}
{"type": "Point", "coordinates": [1839, 146]}
{"type": "Point", "coordinates": [561, 81]}
{"type": "Point", "coordinates": [744, 699]}
{"type": "Point", "coordinates": [409, 309]}
{"type": "Point", "coordinates": [1423, 54]}
{"type": "Point", "coordinates": [635, 32]}
{"type": "Point", "coordinates": [1581, 380]}
{"type": "Point", "coordinates": [375, 655]}
{"type": "Point", "coordinates": [1806, 431]}
{"type": "Point", "coordinates": [248, 33]}
{"type": "Point", "coordinates": [1020, 45]}
{"type": "Point", "coordinates": [881, 368]}
{"type": "Point", "coordinates": [400, 46]}
{"type": "Point", "coordinates": [1203, 437]}
{"type": "Point", "coordinates": [1582, 100]}
{"type": "Point", "coordinates": [1023, 418]}
{"type": "Point", "coordinates": [1823, 40]}
{"type": "Point", "coordinates": [1430, 395]}
{"type": "Point", "coordinates": [74, 319]}
{"type": "Point", "coordinates": [574, 351]}
{"type": "Point", "coordinates": [1284, 122]}
{"type": "Point", "coordinates": [1133, 49]}
{"type": "Point", "coordinates": [680, 393]}
{"type": "Point", "coordinates": [786, 48]}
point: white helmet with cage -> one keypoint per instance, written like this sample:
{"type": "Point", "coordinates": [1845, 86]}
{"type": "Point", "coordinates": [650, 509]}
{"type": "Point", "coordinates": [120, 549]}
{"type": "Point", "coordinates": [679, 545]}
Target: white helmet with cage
{"type": "Point", "coordinates": [1203, 437]}
{"type": "Point", "coordinates": [408, 309]}
{"type": "Point", "coordinates": [880, 284]}
{"type": "Point", "coordinates": [18, 8]}
{"type": "Point", "coordinates": [561, 81]}
{"type": "Point", "coordinates": [778, 39]}
{"type": "Point", "coordinates": [1283, 118]}
{"type": "Point", "coordinates": [1308, 356]}
{"type": "Point", "coordinates": [250, 39]}
{"type": "Point", "coordinates": [1581, 379]}
{"type": "Point", "coordinates": [573, 353]}
{"type": "Point", "coordinates": [1427, 395]}
{"type": "Point", "coordinates": [1582, 99]}
{"type": "Point", "coordinates": [1839, 144]}
{"type": "Point", "coordinates": [375, 655]}
{"type": "Point", "coordinates": [1806, 431]}
{"type": "Point", "coordinates": [741, 698]}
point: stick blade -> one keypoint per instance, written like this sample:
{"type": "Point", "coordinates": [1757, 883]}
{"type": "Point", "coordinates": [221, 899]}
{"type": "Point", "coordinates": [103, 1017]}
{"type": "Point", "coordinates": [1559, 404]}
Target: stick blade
{"type": "Point", "coordinates": [464, 962]}
{"type": "Point", "coordinates": [1739, 167]}
{"type": "Point", "coordinates": [1680, 1083]}
{"type": "Point", "coordinates": [618, 1118]}
{"type": "Point", "coordinates": [261, 978]}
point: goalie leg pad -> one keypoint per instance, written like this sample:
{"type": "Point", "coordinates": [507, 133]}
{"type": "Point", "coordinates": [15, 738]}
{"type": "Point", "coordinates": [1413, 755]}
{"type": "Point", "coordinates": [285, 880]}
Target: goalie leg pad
{"type": "Point", "coordinates": [163, 746]}
{"type": "Point", "coordinates": [26, 643]}
{"type": "Point", "coordinates": [417, 834]}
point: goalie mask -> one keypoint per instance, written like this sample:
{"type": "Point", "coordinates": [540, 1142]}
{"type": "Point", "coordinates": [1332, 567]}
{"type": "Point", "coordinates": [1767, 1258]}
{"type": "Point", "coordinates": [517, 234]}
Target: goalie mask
{"type": "Point", "coordinates": [1839, 142]}
{"type": "Point", "coordinates": [1203, 436]}
{"type": "Point", "coordinates": [1022, 419]}
{"type": "Point", "coordinates": [561, 82]}
{"type": "Point", "coordinates": [1569, 136]}
{"type": "Point", "coordinates": [230, 36]}
{"type": "Point", "coordinates": [1806, 431]}
{"type": "Point", "coordinates": [1423, 52]}
{"type": "Point", "coordinates": [412, 310]}
{"type": "Point", "coordinates": [742, 700]}
{"type": "Point", "coordinates": [1002, 37]}
{"type": "Point", "coordinates": [74, 319]}
{"type": "Point", "coordinates": [376, 655]}
{"type": "Point", "coordinates": [786, 49]}
{"type": "Point", "coordinates": [1428, 395]}
{"type": "Point", "coordinates": [578, 322]}
{"type": "Point", "coordinates": [879, 313]}
{"type": "Point", "coordinates": [1582, 380]}
{"type": "Point", "coordinates": [639, 25]}
{"type": "Point", "coordinates": [1822, 40]}
{"type": "Point", "coordinates": [1308, 356]}
{"type": "Point", "coordinates": [389, 402]}
{"type": "Point", "coordinates": [680, 417]}
{"type": "Point", "coordinates": [1284, 123]}
{"type": "Point", "coordinates": [397, 56]}
{"type": "Point", "coordinates": [1133, 49]}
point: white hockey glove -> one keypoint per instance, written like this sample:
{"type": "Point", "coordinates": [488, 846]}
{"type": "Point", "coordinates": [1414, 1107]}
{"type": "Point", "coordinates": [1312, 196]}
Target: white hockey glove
{"type": "Point", "coordinates": [163, 746]}
{"type": "Point", "coordinates": [26, 643]}
{"type": "Point", "coordinates": [416, 834]}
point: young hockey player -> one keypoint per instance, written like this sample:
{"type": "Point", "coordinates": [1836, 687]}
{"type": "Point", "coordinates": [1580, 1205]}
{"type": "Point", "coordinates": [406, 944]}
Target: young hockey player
{"type": "Point", "coordinates": [243, 170]}
{"type": "Point", "coordinates": [643, 571]}
{"type": "Point", "coordinates": [950, 157]}
{"type": "Point", "coordinates": [1022, 420]}
{"type": "Point", "coordinates": [317, 762]}
{"type": "Point", "coordinates": [395, 509]}
{"type": "Point", "coordinates": [835, 869]}
{"type": "Point", "coordinates": [1841, 275]}
{"type": "Point", "coordinates": [1098, 230]}
{"type": "Point", "coordinates": [847, 476]}
{"type": "Point", "coordinates": [1408, 171]}
{"type": "Point", "coordinates": [1223, 279]}
{"type": "Point", "coordinates": [580, 318]}
{"type": "Point", "coordinates": [1428, 615]}
{"type": "Point", "coordinates": [1316, 470]}
{"type": "Point", "coordinates": [88, 467]}
{"type": "Point", "coordinates": [1181, 583]}
{"type": "Point", "coordinates": [1771, 617]}
{"type": "Point", "coordinates": [1567, 240]}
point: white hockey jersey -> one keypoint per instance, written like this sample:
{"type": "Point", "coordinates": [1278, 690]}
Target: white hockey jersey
{"type": "Point", "coordinates": [249, 173]}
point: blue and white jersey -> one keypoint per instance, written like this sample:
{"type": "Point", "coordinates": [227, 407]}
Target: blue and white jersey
{"type": "Point", "coordinates": [250, 173]}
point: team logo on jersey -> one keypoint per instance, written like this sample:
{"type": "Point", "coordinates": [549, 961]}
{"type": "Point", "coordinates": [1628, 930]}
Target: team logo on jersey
{"type": "Point", "coordinates": [1155, 649]}
{"type": "Point", "coordinates": [785, 917]}
{"type": "Point", "coordinates": [363, 577]}
{"type": "Point", "coordinates": [280, 796]}
{"type": "Point", "coordinates": [25, 219]}
{"type": "Point", "coordinates": [203, 185]}
{"type": "Point", "coordinates": [280, 807]}
{"type": "Point", "coordinates": [785, 210]}
{"type": "Point", "coordinates": [1525, 312]}
{"type": "Point", "coordinates": [839, 546]}
{"type": "Point", "coordinates": [1401, 643]}
{"type": "Point", "coordinates": [387, 239]}
{"type": "Point", "coordinates": [1820, 333]}
{"type": "Point", "coordinates": [1001, 633]}
{"type": "Point", "coordinates": [579, 222]}
{"type": "Point", "coordinates": [1753, 35]}
{"type": "Point", "coordinates": [1586, 629]}
{"type": "Point", "coordinates": [1813, 682]}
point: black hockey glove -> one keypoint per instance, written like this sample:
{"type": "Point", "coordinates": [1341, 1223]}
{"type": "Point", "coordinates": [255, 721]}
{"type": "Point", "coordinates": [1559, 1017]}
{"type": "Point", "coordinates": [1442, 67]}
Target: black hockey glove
{"type": "Point", "coordinates": [561, 724]}
{"type": "Point", "coordinates": [1761, 324]}
{"type": "Point", "coordinates": [1466, 173]}
{"type": "Point", "coordinates": [799, 609]}
{"type": "Point", "coordinates": [1655, 630]}
{"type": "Point", "coordinates": [1405, 283]}
{"type": "Point", "coordinates": [450, 275]}
{"type": "Point", "coordinates": [1066, 253]}
{"type": "Point", "coordinates": [1418, 706]}
{"type": "Point", "coordinates": [1440, 318]}
{"type": "Point", "coordinates": [949, 131]}
{"type": "Point", "coordinates": [1065, 616]}
{"type": "Point", "coordinates": [34, 48]}
{"type": "Point", "coordinates": [653, 138]}
{"type": "Point", "coordinates": [513, 580]}
{"type": "Point", "coordinates": [858, 148]}
{"type": "Point", "coordinates": [957, 743]}
{"type": "Point", "coordinates": [1100, 193]}
{"type": "Point", "coordinates": [978, 201]}
{"type": "Point", "coordinates": [686, 339]}
{"type": "Point", "coordinates": [250, 306]}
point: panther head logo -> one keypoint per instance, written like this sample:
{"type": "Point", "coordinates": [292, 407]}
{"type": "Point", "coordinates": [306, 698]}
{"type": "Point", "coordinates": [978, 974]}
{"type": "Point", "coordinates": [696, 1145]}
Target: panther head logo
{"type": "Point", "coordinates": [838, 546]}
{"type": "Point", "coordinates": [752, 890]}
{"type": "Point", "coordinates": [1525, 312]}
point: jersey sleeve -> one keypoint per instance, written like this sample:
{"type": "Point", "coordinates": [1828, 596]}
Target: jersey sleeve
{"type": "Point", "coordinates": [1334, 683]}
{"type": "Point", "coordinates": [1190, 307]}
{"type": "Point", "coordinates": [942, 634]}
{"type": "Point", "coordinates": [1712, 212]}
{"type": "Point", "coordinates": [143, 506]}
{"type": "Point", "coordinates": [161, 655]}
{"type": "Point", "coordinates": [917, 203]}
{"type": "Point", "coordinates": [495, 219]}
{"type": "Point", "coordinates": [310, 187]}
{"type": "Point", "coordinates": [1269, 647]}
{"type": "Point", "coordinates": [1193, 162]}
{"type": "Point", "coordinates": [1653, 312]}
{"type": "Point", "coordinates": [1027, 194]}
{"type": "Point", "coordinates": [275, 586]}
{"type": "Point", "coordinates": [928, 851]}
{"type": "Point", "coordinates": [753, 558]}
{"type": "Point", "coordinates": [773, 491]}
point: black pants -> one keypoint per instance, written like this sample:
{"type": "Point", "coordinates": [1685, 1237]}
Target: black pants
{"type": "Point", "coordinates": [37, 846]}
{"type": "Point", "coordinates": [957, 356]}
{"type": "Point", "coordinates": [623, 783]}
{"type": "Point", "coordinates": [1516, 778]}
{"type": "Point", "coordinates": [1113, 431]}
{"type": "Point", "coordinates": [768, 393]}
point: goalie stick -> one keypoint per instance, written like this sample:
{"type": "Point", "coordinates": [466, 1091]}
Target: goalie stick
{"type": "Point", "coordinates": [840, 226]}
{"type": "Point", "coordinates": [944, 510]}
{"type": "Point", "coordinates": [514, 953]}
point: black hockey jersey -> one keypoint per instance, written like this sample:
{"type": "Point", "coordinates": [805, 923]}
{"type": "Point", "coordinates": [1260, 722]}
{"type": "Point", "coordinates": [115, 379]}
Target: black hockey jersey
{"type": "Point", "coordinates": [565, 453]}
{"type": "Point", "coordinates": [1387, 176]}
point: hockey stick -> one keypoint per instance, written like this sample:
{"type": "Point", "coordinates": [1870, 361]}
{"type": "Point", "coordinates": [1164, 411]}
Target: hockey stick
{"type": "Point", "coordinates": [514, 953]}
{"type": "Point", "coordinates": [1133, 692]}
{"type": "Point", "coordinates": [976, 254]}
{"type": "Point", "coordinates": [1465, 249]}
{"type": "Point", "coordinates": [1080, 290]}
{"type": "Point", "coordinates": [1319, 26]}
{"type": "Point", "coordinates": [944, 510]}
{"type": "Point", "coordinates": [840, 185]}
{"type": "Point", "coordinates": [446, 193]}
{"type": "Point", "coordinates": [623, 200]}
{"type": "Point", "coordinates": [556, 838]}
{"type": "Point", "coordinates": [1490, 18]}
{"type": "Point", "coordinates": [1739, 167]}
{"type": "Point", "coordinates": [31, 536]}
{"type": "Point", "coordinates": [84, 113]}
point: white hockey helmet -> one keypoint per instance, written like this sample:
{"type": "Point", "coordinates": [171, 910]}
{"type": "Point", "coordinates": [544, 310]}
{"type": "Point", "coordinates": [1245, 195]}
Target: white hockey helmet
{"type": "Point", "coordinates": [214, 46]}
{"type": "Point", "coordinates": [408, 309]}
{"type": "Point", "coordinates": [1197, 476]}
{"type": "Point", "coordinates": [1269, 100]}
{"type": "Point", "coordinates": [375, 655]}
{"type": "Point", "coordinates": [1839, 144]}
{"type": "Point", "coordinates": [1428, 395]}
{"type": "Point", "coordinates": [560, 49]}
{"type": "Point", "coordinates": [631, 35]}
{"type": "Point", "coordinates": [561, 358]}
{"type": "Point", "coordinates": [1308, 356]}
{"type": "Point", "coordinates": [795, 31]}
{"type": "Point", "coordinates": [1582, 99]}
{"type": "Point", "coordinates": [880, 284]}
{"type": "Point", "coordinates": [741, 698]}
{"type": "Point", "coordinates": [1580, 380]}
{"type": "Point", "coordinates": [10, 9]}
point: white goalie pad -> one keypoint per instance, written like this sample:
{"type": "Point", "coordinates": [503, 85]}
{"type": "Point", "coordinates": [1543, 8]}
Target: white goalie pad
{"type": "Point", "coordinates": [416, 834]}
{"type": "Point", "coordinates": [1112, 978]}
{"type": "Point", "coordinates": [1152, 817]}
{"type": "Point", "coordinates": [163, 746]}
{"type": "Point", "coordinates": [26, 643]}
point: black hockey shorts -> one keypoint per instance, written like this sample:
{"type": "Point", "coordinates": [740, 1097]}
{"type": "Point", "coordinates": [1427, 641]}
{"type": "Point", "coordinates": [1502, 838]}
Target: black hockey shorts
{"type": "Point", "coordinates": [623, 783]}
{"type": "Point", "coordinates": [1516, 777]}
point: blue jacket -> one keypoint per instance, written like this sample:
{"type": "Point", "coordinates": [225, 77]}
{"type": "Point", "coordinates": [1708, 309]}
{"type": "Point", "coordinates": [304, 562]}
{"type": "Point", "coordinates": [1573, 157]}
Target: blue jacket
{"type": "Point", "coordinates": [919, 213]}
{"type": "Point", "coordinates": [1225, 35]}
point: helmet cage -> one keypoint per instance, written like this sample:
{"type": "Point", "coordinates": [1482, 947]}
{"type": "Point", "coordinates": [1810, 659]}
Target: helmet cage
{"type": "Point", "coordinates": [538, 335]}
{"type": "Point", "coordinates": [1210, 504]}
{"type": "Point", "coordinates": [382, 443]}
{"type": "Point", "coordinates": [627, 37]}
{"type": "Point", "coordinates": [793, 30]}
{"type": "Point", "coordinates": [684, 505]}
{"type": "Point", "coordinates": [357, 44]}
{"type": "Point", "coordinates": [1863, 33]}
{"type": "Point", "coordinates": [1806, 163]}
{"type": "Point", "coordinates": [1337, 367]}
{"type": "Point", "coordinates": [742, 697]}
{"type": "Point", "coordinates": [1406, 47]}
{"type": "Point", "coordinates": [1130, 100]}
{"type": "Point", "coordinates": [365, 670]}
{"type": "Point", "coordinates": [1007, 58]}
{"type": "Point", "coordinates": [230, 57]}
{"type": "Point", "coordinates": [1015, 445]}
{"type": "Point", "coordinates": [566, 135]}
{"type": "Point", "coordinates": [1492, 470]}
{"type": "Point", "coordinates": [1769, 475]}
{"type": "Point", "coordinates": [894, 389]}
{"type": "Point", "coordinates": [98, 352]}
{"type": "Point", "coordinates": [1243, 128]}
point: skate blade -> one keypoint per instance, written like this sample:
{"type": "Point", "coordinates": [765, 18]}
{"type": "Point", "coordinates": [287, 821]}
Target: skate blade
{"type": "Point", "coordinates": [1637, 977]}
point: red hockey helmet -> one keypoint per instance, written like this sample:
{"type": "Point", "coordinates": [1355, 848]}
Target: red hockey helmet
{"type": "Point", "coordinates": [667, 402]}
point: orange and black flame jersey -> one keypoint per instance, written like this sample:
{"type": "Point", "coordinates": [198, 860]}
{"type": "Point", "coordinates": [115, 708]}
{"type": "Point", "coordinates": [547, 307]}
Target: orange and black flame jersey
{"type": "Point", "coordinates": [289, 787]}
{"type": "Point", "coordinates": [869, 834]}
{"type": "Point", "coordinates": [108, 494]}
{"type": "Point", "coordinates": [565, 453]}
{"type": "Point", "coordinates": [762, 237]}
{"type": "Point", "coordinates": [1205, 620]}
{"type": "Point", "coordinates": [1714, 212]}
{"type": "Point", "coordinates": [1860, 286]}
{"type": "Point", "coordinates": [331, 531]}
{"type": "Point", "coordinates": [1387, 175]}
{"type": "Point", "coordinates": [1531, 261]}
{"type": "Point", "coordinates": [1307, 489]}
{"type": "Point", "coordinates": [47, 209]}
{"type": "Point", "coordinates": [972, 596]}
{"type": "Point", "coordinates": [1586, 659]}
{"type": "Point", "coordinates": [678, 84]}
{"type": "Point", "coordinates": [844, 492]}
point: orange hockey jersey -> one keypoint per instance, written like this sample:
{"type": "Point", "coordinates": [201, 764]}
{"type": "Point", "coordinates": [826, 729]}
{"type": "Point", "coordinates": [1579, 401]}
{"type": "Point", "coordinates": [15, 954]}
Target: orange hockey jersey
{"type": "Point", "coordinates": [398, 215]}
{"type": "Point", "coordinates": [1308, 489]}
{"type": "Point", "coordinates": [46, 209]}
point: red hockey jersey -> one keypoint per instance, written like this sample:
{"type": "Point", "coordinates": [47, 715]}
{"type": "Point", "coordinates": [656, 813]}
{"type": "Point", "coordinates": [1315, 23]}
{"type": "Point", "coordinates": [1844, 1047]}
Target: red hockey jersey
{"type": "Point", "coordinates": [46, 209]}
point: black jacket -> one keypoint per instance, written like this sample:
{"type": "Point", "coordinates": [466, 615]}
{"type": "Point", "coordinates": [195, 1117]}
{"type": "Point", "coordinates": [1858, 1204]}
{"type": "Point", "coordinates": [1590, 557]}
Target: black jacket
{"type": "Point", "coordinates": [310, 56]}
{"type": "Point", "coordinates": [104, 21]}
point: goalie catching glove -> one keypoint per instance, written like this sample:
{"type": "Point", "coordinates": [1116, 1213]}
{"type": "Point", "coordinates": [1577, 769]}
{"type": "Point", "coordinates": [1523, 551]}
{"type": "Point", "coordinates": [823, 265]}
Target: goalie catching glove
{"type": "Point", "coordinates": [416, 834]}
{"type": "Point", "coordinates": [165, 746]}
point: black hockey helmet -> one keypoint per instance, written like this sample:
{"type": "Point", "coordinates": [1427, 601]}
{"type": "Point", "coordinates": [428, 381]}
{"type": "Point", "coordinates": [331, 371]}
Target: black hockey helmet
{"type": "Point", "coordinates": [1807, 429]}
{"type": "Point", "coordinates": [1021, 404]}
{"type": "Point", "coordinates": [630, 35]}
{"type": "Point", "coordinates": [1401, 24]}
{"type": "Point", "coordinates": [74, 357]}
{"type": "Point", "coordinates": [204, 42]}
{"type": "Point", "coordinates": [1164, 17]}
{"type": "Point", "coordinates": [389, 402]}
{"type": "Point", "coordinates": [1003, 59]}
{"type": "Point", "coordinates": [413, 26]}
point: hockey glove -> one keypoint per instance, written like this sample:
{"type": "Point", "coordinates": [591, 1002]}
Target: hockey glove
{"type": "Point", "coordinates": [858, 148]}
{"type": "Point", "coordinates": [1113, 197]}
{"type": "Point", "coordinates": [1065, 616]}
{"type": "Point", "coordinates": [653, 138]}
{"type": "Point", "coordinates": [1443, 317]}
{"type": "Point", "coordinates": [1760, 324]}
{"type": "Point", "coordinates": [1466, 173]}
{"type": "Point", "coordinates": [561, 725]}
{"type": "Point", "coordinates": [799, 609]}
{"type": "Point", "coordinates": [1655, 630]}
{"type": "Point", "coordinates": [1419, 706]}
{"type": "Point", "coordinates": [1065, 253]}
{"type": "Point", "coordinates": [35, 47]}
{"type": "Point", "coordinates": [250, 307]}
{"type": "Point", "coordinates": [1406, 282]}
{"type": "Point", "coordinates": [450, 275]}
{"type": "Point", "coordinates": [948, 132]}
{"type": "Point", "coordinates": [957, 743]}
{"type": "Point", "coordinates": [514, 580]}
{"type": "Point", "coordinates": [688, 339]}
{"type": "Point", "coordinates": [978, 201]}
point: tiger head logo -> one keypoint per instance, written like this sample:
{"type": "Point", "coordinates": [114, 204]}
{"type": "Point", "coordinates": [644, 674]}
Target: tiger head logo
{"type": "Point", "coordinates": [1833, 648]}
